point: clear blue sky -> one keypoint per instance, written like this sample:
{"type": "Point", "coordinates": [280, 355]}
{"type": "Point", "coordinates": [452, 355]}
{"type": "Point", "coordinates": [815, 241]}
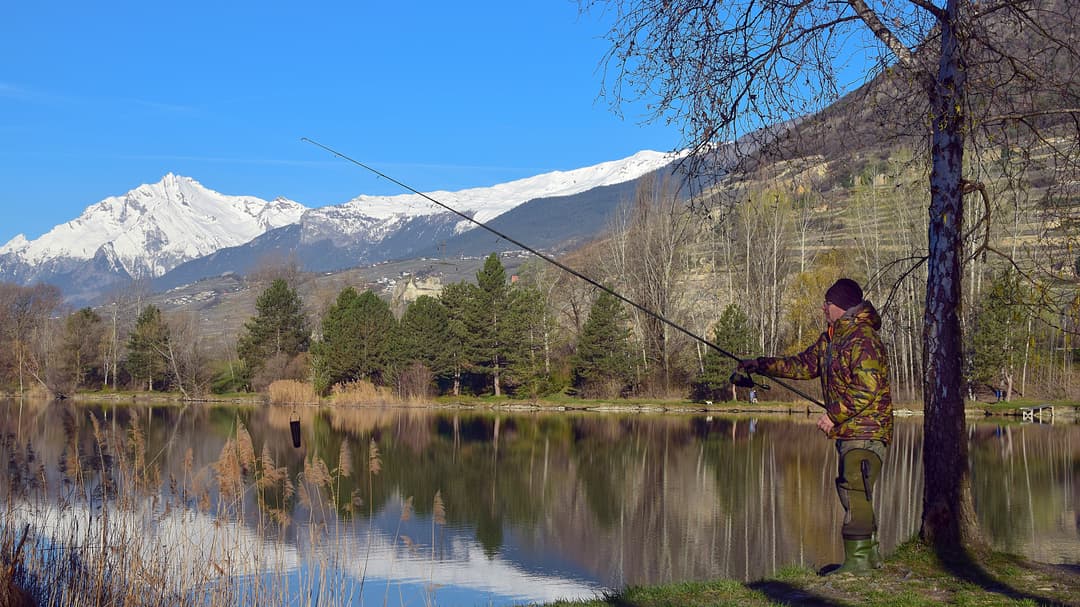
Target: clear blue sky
{"type": "Point", "coordinates": [97, 98]}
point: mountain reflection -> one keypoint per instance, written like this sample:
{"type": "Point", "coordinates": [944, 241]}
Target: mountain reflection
{"type": "Point", "coordinates": [531, 506]}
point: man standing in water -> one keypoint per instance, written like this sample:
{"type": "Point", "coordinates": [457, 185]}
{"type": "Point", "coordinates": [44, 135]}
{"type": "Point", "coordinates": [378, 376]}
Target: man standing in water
{"type": "Point", "coordinates": [851, 362]}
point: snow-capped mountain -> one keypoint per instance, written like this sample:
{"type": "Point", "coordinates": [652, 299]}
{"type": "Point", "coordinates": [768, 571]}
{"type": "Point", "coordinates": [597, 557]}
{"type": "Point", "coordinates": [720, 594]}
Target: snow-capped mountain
{"type": "Point", "coordinates": [155, 227]}
{"type": "Point", "coordinates": [548, 211]}
{"type": "Point", "coordinates": [141, 234]}
{"type": "Point", "coordinates": [488, 203]}
{"type": "Point", "coordinates": [377, 217]}
{"type": "Point", "coordinates": [178, 227]}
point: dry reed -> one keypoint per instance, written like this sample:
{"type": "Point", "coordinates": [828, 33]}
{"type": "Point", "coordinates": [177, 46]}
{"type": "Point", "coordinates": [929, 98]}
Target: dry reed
{"type": "Point", "coordinates": [109, 531]}
{"type": "Point", "coordinates": [362, 392]}
{"type": "Point", "coordinates": [292, 392]}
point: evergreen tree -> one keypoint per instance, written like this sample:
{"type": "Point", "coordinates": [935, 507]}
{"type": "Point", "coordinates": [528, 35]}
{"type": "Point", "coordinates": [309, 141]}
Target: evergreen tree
{"type": "Point", "coordinates": [358, 335]}
{"type": "Point", "coordinates": [998, 336]}
{"type": "Point", "coordinates": [147, 346]}
{"type": "Point", "coordinates": [525, 330]}
{"type": "Point", "coordinates": [734, 334]}
{"type": "Point", "coordinates": [426, 336]}
{"type": "Point", "coordinates": [486, 317]}
{"type": "Point", "coordinates": [84, 332]}
{"type": "Point", "coordinates": [279, 327]}
{"type": "Point", "coordinates": [456, 299]}
{"type": "Point", "coordinates": [603, 364]}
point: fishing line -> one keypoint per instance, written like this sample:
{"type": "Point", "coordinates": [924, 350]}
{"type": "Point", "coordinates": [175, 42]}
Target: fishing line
{"type": "Point", "coordinates": [561, 266]}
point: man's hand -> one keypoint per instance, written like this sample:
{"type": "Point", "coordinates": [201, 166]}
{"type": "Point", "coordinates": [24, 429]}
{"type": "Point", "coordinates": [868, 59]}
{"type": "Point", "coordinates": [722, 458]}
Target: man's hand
{"type": "Point", "coordinates": [825, 424]}
{"type": "Point", "coordinates": [750, 365]}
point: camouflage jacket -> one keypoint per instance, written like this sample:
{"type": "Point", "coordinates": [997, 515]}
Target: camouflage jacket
{"type": "Point", "coordinates": [854, 370]}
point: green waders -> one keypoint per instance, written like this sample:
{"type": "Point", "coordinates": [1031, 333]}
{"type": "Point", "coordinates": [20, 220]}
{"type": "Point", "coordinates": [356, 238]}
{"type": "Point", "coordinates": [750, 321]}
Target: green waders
{"type": "Point", "coordinates": [859, 469]}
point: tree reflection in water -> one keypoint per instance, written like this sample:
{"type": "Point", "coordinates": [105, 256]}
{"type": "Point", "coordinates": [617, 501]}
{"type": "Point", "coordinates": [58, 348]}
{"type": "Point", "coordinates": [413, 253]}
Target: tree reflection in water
{"type": "Point", "coordinates": [576, 501]}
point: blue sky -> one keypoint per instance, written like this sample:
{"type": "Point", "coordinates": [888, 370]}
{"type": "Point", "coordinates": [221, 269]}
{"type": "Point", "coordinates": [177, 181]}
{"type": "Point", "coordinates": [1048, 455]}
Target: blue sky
{"type": "Point", "coordinates": [98, 98]}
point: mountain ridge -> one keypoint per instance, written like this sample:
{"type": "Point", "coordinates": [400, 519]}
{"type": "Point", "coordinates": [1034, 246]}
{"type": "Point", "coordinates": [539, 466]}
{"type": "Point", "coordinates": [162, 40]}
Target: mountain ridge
{"type": "Point", "coordinates": [154, 229]}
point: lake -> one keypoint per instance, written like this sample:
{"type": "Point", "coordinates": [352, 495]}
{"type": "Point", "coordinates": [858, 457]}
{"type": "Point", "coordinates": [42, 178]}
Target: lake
{"type": "Point", "coordinates": [411, 506]}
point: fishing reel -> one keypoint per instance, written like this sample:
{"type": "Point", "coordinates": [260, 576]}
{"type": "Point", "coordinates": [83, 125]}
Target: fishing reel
{"type": "Point", "coordinates": [742, 379]}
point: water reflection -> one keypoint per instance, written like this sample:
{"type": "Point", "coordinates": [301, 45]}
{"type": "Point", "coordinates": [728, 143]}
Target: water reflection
{"type": "Point", "coordinates": [454, 507]}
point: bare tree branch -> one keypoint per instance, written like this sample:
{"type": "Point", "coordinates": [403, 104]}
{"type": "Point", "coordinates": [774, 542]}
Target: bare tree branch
{"type": "Point", "coordinates": [929, 7]}
{"type": "Point", "coordinates": [883, 33]}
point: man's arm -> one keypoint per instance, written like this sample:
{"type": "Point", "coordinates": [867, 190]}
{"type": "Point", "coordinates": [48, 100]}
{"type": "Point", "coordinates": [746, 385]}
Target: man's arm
{"type": "Point", "coordinates": [804, 365]}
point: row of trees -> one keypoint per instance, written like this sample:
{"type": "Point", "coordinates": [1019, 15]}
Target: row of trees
{"type": "Point", "coordinates": [751, 281]}
{"type": "Point", "coordinates": [491, 336]}
{"type": "Point", "coordinates": [47, 349]}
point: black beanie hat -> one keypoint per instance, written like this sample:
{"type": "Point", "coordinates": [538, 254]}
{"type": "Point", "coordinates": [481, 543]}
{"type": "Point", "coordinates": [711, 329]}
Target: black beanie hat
{"type": "Point", "coordinates": [845, 293]}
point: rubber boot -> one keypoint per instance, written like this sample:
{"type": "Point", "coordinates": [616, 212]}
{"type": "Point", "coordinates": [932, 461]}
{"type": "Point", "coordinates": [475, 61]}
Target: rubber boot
{"type": "Point", "coordinates": [857, 555]}
{"type": "Point", "coordinates": [876, 562]}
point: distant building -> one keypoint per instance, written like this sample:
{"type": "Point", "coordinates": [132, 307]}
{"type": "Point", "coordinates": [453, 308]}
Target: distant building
{"type": "Point", "coordinates": [407, 291]}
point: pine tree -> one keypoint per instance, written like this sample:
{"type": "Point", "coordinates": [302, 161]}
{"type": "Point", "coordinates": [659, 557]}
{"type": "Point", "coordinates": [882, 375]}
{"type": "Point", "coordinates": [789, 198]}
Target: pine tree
{"type": "Point", "coordinates": [603, 364]}
{"type": "Point", "coordinates": [146, 347]}
{"type": "Point", "coordinates": [84, 332]}
{"type": "Point", "coordinates": [525, 330]}
{"type": "Point", "coordinates": [997, 337]}
{"type": "Point", "coordinates": [426, 336]}
{"type": "Point", "coordinates": [486, 315]}
{"type": "Point", "coordinates": [457, 298]}
{"type": "Point", "coordinates": [358, 335]}
{"type": "Point", "coordinates": [279, 327]}
{"type": "Point", "coordinates": [734, 334]}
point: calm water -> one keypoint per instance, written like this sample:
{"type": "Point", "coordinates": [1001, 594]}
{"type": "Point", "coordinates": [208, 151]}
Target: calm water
{"type": "Point", "coordinates": [533, 507]}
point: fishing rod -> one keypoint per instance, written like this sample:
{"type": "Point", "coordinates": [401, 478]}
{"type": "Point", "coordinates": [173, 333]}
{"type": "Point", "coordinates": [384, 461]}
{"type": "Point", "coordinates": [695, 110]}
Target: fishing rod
{"type": "Point", "coordinates": [742, 381]}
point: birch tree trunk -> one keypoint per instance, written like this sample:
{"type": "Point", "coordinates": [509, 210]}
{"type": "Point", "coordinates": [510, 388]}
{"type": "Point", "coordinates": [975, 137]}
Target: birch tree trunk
{"type": "Point", "coordinates": [948, 509]}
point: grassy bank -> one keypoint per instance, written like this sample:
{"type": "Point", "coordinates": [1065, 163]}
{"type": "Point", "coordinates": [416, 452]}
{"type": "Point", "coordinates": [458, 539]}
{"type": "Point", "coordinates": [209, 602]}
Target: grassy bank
{"type": "Point", "coordinates": [364, 394]}
{"type": "Point", "coordinates": [913, 576]}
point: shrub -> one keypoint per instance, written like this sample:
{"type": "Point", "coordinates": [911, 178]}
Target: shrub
{"type": "Point", "coordinates": [416, 382]}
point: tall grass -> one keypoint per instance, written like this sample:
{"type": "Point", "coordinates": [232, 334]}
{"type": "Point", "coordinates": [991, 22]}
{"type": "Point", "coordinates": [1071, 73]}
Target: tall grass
{"type": "Point", "coordinates": [292, 392]}
{"type": "Point", "coordinates": [105, 527]}
{"type": "Point", "coordinates": [362, 393]}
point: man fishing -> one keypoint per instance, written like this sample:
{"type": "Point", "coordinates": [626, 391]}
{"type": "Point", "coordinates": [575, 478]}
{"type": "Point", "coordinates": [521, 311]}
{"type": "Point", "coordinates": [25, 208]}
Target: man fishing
{"type": "Point", "coordinates": [850, 359]}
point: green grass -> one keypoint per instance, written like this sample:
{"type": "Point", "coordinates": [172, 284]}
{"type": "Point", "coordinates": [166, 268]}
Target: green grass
{"type": "Point", "coordinates": [914, 576]}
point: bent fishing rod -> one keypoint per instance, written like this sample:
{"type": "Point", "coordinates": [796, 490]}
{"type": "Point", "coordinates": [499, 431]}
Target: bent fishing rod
{"type": "Point", "coordinates": [569, 270]}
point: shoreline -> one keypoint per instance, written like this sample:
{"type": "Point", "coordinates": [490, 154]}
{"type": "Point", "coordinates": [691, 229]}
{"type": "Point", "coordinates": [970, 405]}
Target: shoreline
{"type": "Point", "coordinates": [1064, 411]}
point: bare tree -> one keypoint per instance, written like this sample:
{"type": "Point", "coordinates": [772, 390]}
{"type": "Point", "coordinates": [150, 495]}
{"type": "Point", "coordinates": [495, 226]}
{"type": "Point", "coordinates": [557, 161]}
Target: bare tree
{"type": "Point", "coordinates": [25, 314]}
{"type": "Point", "coordinates": [124, 303]}
{"type": "Point", "coordinates": [184, 354]}
{"type": "Point", "coordinates": [726, 68]}
{"type": "Point", "coordinates": [649, 239]}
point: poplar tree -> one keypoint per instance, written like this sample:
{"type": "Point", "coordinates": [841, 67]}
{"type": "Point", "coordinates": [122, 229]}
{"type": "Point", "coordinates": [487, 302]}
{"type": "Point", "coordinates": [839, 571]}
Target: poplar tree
{"type": "Point", "coordinates": [24, 324]}
{"type": "Point", "coordinates": [603, 363]}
